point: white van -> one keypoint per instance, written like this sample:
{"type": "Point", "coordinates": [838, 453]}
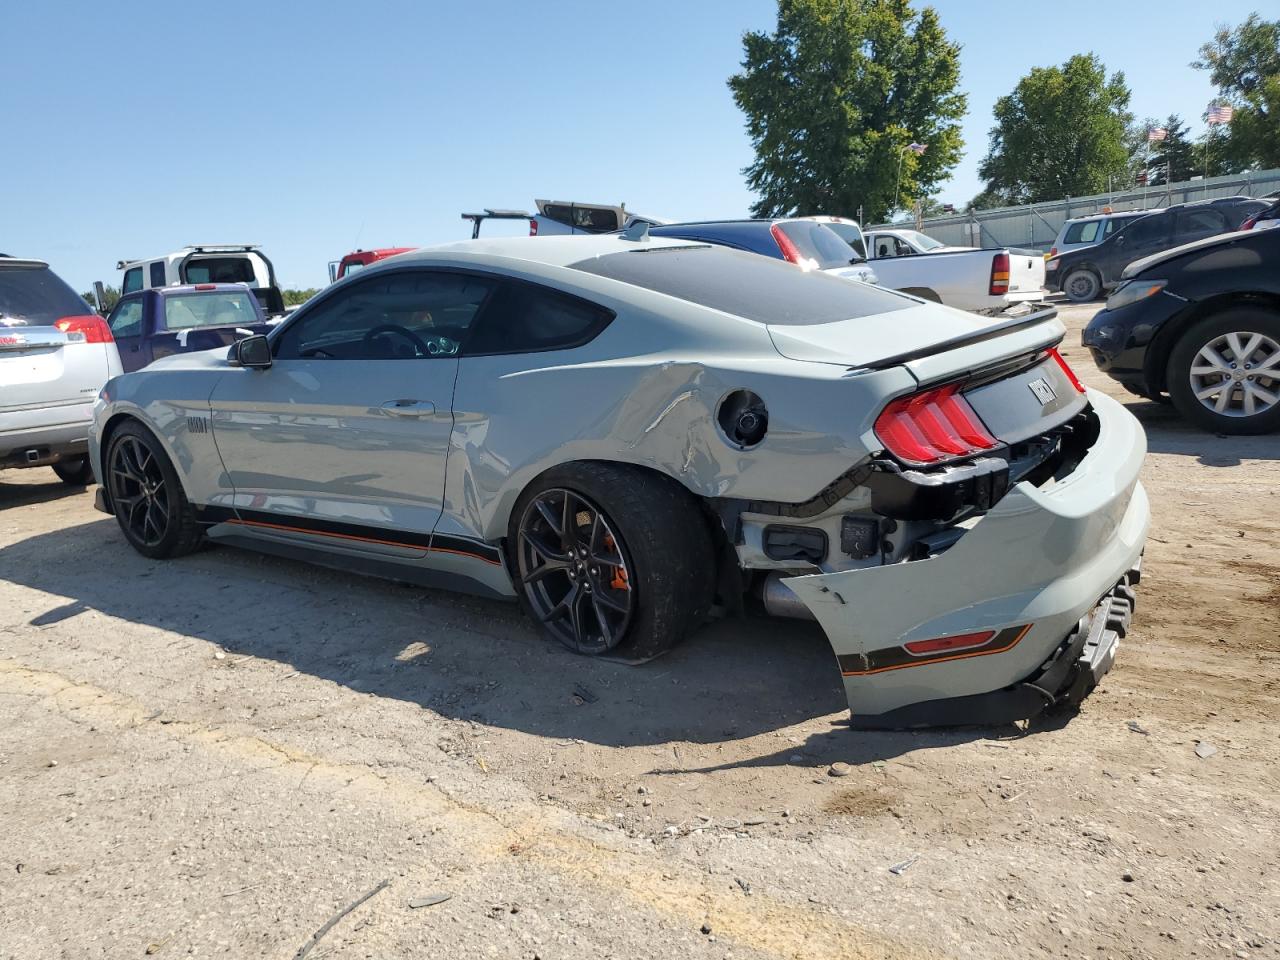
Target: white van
{"type": "Point", "coordinates": [207, 263]}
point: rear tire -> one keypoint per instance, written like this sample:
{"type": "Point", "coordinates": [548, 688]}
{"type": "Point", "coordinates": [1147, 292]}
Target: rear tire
{"type": "Point", "coordinates": [74, 471]}
{"type": "Point", "coordinates": [1224, 372]}
{"type": "Point", "coordinates": [612, 560]}
{"type": "Point", "coordinates": [146, 495]}
{"type": "Point", "coordinates": [1082, 285]}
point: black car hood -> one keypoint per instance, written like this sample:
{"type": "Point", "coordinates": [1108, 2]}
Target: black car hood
{"type": "Point", "coordinates": [1135, 268]}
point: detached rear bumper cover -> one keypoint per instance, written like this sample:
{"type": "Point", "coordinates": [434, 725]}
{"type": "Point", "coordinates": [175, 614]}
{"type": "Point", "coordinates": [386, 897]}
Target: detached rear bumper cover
{"type": "Point", "coordinates": [1043, 567]}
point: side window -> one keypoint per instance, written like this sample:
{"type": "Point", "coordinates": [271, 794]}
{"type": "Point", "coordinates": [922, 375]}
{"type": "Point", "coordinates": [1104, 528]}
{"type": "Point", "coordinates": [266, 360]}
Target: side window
{"type": "Point", "coordinates": [1148, 230]}
{"type": "Point", "coordinates": [902, 249]}
{"type": "Point", "coordinates": [402, 315]}
{"type": "Point", "coordinates": [525, 318]}
{"type": "Point", "coordinates": [132, 280]}
{"type": "Point", "coordinates": [1197, 224]}
{"type": "Point", "coordinates": [157, 274]}
{"type": "Point", "coordinates": [1114, 224]}
{"type": "Point", "coordinates": [126, 318]}
{"type": "Point", "coordinates": [884, 247]}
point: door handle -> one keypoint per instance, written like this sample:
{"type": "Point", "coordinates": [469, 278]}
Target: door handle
{"type": "Point", "coordinates": [409, 408]}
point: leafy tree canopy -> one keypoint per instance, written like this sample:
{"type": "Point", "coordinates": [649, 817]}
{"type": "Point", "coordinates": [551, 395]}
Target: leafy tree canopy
{"type": "Point", "coordinates": [834, 97]}
{"type": "Point", "coordinates": [1244, 63]}
{"type": "Point", "coordinates": [1062, 132]}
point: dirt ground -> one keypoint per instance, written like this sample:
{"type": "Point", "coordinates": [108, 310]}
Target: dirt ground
{"type": "Point", "coordinates": [214, 756]}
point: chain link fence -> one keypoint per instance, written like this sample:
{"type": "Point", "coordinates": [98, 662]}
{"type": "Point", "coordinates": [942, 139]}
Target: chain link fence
{"type": "Point", "coordinates": [1035, 226]}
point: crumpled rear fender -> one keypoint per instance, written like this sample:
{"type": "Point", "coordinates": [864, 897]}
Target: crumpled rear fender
{"type": "Point", "coordinates": [1029, 570]}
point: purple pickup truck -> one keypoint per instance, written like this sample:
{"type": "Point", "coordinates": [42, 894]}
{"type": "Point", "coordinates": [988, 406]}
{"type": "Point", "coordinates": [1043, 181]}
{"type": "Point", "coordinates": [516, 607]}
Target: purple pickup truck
{"type": "Point", "coordinates": [162, 321]}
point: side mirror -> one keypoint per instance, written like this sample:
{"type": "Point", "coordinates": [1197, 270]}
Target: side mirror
{"type": "Point", "coordinates": [252, 352]}
{"type": "Point", "coordinates": [100, 294]}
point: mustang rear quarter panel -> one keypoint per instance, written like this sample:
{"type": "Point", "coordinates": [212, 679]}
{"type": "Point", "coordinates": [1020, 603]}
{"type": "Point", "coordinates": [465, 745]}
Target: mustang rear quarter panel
{"type": "Point", "coordinates": [1042, 556]}
{"type": "Point", "coordinates": [646, 392]}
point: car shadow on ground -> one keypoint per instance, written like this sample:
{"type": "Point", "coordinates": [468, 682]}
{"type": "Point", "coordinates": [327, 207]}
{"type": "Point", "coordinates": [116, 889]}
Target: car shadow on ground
{"type": "Point", "coordinates": [24, 494]}
{"type": "Point", "coordinates": [464, 657]}
{"type": "Point", "coordinates": [1168, 432]}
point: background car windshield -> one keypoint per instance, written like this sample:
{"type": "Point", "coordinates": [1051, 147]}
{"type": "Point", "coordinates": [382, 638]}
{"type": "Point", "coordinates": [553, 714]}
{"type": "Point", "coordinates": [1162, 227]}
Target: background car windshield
{"type": "Point", "coordinates": [232, 309]}
{"type": "Point", "coordinates": [850, 234]}
{"type": "Point", "coordinates": [745, 284]}
{"type": "Point", "coordinates": [818, 242]}
{"type": "Point", "coordinates": [38, 296]}
{"type": "Point", "coordinates": [921, 241]}
{"type": "Point", "coordinates": [219, 270]}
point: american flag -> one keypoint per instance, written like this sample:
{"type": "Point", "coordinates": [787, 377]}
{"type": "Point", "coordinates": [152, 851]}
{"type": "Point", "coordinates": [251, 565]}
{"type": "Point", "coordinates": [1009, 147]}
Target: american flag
{"type": "Point", "coordinates": [1156, 134]}
{"type": "Point", "coordinates": [1219, 113]}
{"type": "Point", "coordinates": [917, 148]}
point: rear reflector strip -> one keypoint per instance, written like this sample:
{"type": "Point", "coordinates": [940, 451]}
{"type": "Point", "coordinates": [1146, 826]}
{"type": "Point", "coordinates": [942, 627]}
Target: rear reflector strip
{"type": "Point", "coordinates": [963, 641]}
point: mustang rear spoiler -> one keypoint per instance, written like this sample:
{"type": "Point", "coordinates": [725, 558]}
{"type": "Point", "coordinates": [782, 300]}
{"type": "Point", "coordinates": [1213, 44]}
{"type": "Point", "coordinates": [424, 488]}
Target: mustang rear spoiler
{"type": "Point", "coordinates": [964, 340]}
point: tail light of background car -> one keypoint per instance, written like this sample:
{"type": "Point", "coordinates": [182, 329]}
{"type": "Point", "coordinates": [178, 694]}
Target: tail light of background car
{"type": "Point", "coordinates": [85, 329]}
{"type": "Point", "coordinates": [999, 275]}
{"type": "Point", "coordinates": [1250, 223]}
{"type": "Point", "coordinates": [931, 426]}
{"type": "Point", "coordinates": [1053, 252]}
{"type": "Point", "coordinates": [789, 250]}
{"type": "Point", "coordinates": [533, 227]}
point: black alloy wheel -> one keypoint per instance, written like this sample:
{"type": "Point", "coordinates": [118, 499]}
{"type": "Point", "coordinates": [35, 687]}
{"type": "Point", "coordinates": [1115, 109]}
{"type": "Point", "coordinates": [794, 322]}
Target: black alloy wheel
{"type": "Point", "coordinates": [574, 571]}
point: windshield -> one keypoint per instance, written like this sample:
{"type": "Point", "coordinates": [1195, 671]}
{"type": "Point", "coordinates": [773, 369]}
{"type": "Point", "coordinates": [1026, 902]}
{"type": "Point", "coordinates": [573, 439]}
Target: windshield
{"type": "Point", "coordinates": [920, 241]}
{"type": "Point", "coordinates": [851, 234]}
{"type": "Point", "coordinates": [188, 310]}
{"type": "Point", "coordinates": [38, 296]}
{"type": "Point", "coordinates": [745, 284]}
{"type": "Point", "coordinates": [817, 242]}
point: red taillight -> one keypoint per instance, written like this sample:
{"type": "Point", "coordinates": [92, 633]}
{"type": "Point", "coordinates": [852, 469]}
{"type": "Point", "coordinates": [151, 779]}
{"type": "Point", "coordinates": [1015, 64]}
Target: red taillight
{"type": "Point", "coordinates": [936, 424]}
{"type": "Point", "coordinates": [91, 328]}
{"type": "Point", "coordinates": [1053, 252]}
{"type": "Point", "coordinates": [1250, 223]}
{"type": "Point", "coordinates": [533, 227]}
{"type": "Point", "coordinates": [789, 250]}
{"type": "Point", "coordinates": [1071, 374]}
{"type": "Point", "coordinates": [962, 641]}
{"type": "Point", "coordinates": [999, 275]}
{"type": "Point", "coordinates": [206, 286]}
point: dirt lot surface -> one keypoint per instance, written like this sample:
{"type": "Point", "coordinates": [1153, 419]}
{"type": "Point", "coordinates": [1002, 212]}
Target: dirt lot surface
{"type": "Point", "coordinates": [214, 756]}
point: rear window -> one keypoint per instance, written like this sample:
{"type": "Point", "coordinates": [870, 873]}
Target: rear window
{"type": "Point", "coordinates": [38, 296]}
{"type": "Point", "coordinates": [850, 234]}
{"type": "Point", "coordinates": [818, 242]}
{"type": "Point", "coordinates": [590, 219]}
{"type": "Point", "coordinates": [1086, 232]}
{"type": "Point", "coordinates": [185, 311]}
{"type": "Point", "coordinates": [745, 284]}
{"type": "Point", "coordinates": [219, 270]}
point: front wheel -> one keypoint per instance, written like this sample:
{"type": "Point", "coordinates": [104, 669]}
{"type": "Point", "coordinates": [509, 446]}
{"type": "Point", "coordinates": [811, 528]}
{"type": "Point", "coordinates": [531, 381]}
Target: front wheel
{"type": "Point", "coordinates": [612, 560]}
{"type": "Point", "coordinates": [74, 471]}
{"type": "Point", "coordinates": [147, 496]}
{"type": "Point", "coordinates": [1224, 372]}
{"type": "Point", "coordinates": [1081, 286]}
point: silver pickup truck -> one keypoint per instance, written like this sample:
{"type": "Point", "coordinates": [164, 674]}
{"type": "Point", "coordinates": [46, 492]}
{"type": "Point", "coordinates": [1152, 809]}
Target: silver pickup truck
{"type": "Point", "coordinates": [970, 278]}
{"type": "Point", "coordinates": [56, 354]}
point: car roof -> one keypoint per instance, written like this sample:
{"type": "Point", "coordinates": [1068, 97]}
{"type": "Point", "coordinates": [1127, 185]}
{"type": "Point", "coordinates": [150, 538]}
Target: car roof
{"type": "Point", "coordinates": [199, 288]}
{"type": "Point", "coordinates": [8, 261]}
{"type": "Point", "coordinates": [1114, 213]}
{"type": "Point", "coordinates": [555, 251]}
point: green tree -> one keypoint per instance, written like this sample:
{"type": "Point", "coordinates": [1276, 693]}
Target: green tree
{"type": "Point", "coordinates": [1173, 158]}
{"type": "Point", "coordinates": [834, 96]}
{"type": "Point", "coordinates": [1244, 63]}
{"type": "Point", "coordinates": [110, 294]}
{"type": "Point", "coordinates": [987, 200]}
{"type": "Point", "coordinates": [1062, 132]}
{"type": "Point", "coordinates": [294, 297]}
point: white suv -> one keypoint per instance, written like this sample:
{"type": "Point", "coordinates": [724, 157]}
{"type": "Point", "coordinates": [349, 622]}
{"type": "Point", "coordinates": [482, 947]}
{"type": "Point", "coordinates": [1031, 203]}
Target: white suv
{"type": "Point", "coordinates": [56, 355]}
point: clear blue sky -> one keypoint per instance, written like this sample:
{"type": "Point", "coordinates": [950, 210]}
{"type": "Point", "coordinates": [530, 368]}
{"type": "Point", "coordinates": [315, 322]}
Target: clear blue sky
{"type": "Point", "coordinates": [311, 128]}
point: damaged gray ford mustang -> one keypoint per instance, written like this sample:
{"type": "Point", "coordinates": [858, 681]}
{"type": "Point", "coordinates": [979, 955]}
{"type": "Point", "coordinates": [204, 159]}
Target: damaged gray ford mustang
{"type": "Point", "coordinates": [631, 434]}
